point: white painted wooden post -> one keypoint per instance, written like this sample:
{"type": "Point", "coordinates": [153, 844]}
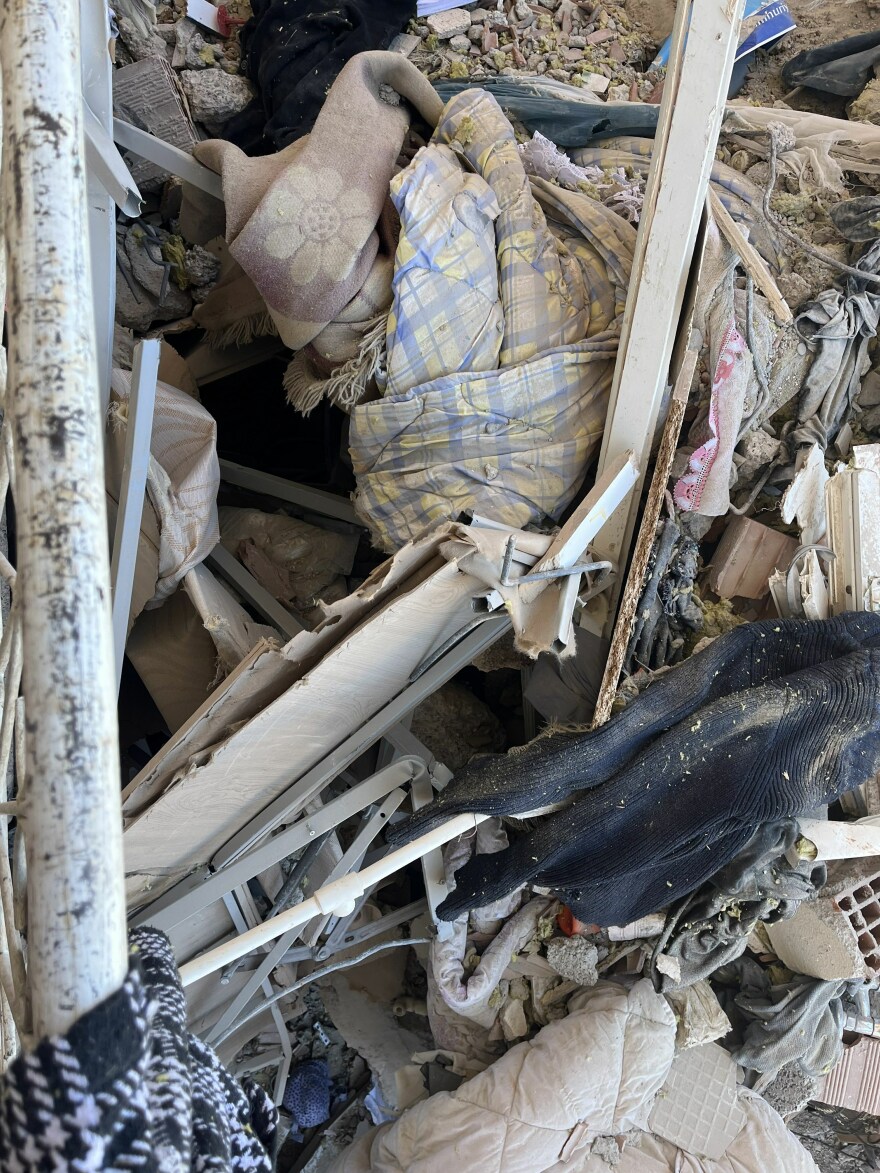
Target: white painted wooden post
{"type": "Point", "coordinates": [76, 910]}
{"type": "Point", "coordinates": [684, 147]}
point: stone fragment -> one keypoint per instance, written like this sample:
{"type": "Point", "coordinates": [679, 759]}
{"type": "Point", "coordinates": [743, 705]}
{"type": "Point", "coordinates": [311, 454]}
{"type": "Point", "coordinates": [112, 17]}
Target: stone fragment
{"type": "Point", "coordinates": [573, 54]}
{"type": "Point", "coordinates": [202, 268]}
{"type": "Point", "coordinates": [513, 1021]}
{"type": "Point", "coordinates": [600, 35]}
{"type": "Point", "coordinates": [449, 24]}
{"type": "Point", "coordinates": [595, 82]}
{"type": "Point", "coordinates": [405, 43]}
{"type": "Point", "coordinates": [475, 33]}
{"type": "Point", "coordinates": [521, 10]}
{"type": "Point", "coordinates": [479, 15]}
{"type": "Point", "coordinates": [134, 311]}
{"type": "Point", "coordinates": [574, 958]}
{"type": "Point", "coordinates": [460, 43]}
{"type": "Point", "coordinates": [577, 42]}
{"type": "Point", "coordinates": [140, 46]}
{"type": "Point", "coordinates": [215, 96]}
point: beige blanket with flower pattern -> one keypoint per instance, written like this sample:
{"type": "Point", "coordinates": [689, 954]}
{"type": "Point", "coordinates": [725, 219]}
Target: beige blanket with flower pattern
{"type": "Point", "coordinates": [303, 224]}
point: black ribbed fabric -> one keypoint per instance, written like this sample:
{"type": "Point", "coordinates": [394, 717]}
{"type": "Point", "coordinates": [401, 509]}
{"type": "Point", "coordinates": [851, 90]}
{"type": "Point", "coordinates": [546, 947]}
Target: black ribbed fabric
{"type": "Point", "coordinates": [549, 769]}
{"type": "Point", "coordinates": [686, 804]}
{"type": "Point", "coordinates": [293, 50]}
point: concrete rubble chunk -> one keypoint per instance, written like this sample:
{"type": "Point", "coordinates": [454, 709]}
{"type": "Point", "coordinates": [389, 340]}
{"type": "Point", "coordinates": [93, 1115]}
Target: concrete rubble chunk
{"type": "Point", "coordinates": [836, 937]}
{"type": "Point", "coordinates": [596, 82]}
{"type": "Point", "coordinates": [142, 46]}
{"type": "Point", "coordinates": [574, 958]}
{"type": "Point", "coordinates": [214, 96]}
{"type": "Point", "coordinates": [405, 43]}
{"type": "Point", "coordinates": [446, 25]}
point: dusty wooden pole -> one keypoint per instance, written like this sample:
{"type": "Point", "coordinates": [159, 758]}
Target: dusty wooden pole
{"type": "Point", "coordinates": [76, 912]}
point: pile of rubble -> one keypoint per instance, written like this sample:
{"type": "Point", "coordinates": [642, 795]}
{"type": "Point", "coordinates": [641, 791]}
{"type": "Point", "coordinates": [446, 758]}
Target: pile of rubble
{"type": "Point", "coordinates": [595, 47]}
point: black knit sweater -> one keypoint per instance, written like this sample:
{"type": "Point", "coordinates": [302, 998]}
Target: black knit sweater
{"type": "Point", "coordinates": [550, 768]}
{"type": "Point", "coordinates": [670, 801]}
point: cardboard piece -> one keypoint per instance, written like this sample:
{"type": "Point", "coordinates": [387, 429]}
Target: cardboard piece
{"type": "Point", "coordinates": [146, 93]}
{"type": "Point", "coordinates": [746, 557]}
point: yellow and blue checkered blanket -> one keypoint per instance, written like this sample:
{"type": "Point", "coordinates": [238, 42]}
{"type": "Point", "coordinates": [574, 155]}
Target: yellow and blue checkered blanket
{"type": "Point", "coordinates": [508, 294]}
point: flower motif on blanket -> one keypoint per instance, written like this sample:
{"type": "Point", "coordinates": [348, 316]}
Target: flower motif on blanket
{"type": "Point", "coordinates": [320, 232]}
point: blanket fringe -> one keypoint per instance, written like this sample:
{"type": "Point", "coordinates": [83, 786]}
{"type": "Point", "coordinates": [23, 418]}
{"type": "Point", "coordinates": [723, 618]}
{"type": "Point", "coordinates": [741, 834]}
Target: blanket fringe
{"type": "Point", "coordinates": [349, 383]}
{"type": "Point", "coordinates": [242, 332]}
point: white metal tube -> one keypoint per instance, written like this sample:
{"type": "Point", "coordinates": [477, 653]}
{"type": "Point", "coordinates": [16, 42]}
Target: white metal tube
{"type": "Point", "coordinates": [76, 933]}
{"type": "Point", "coordinates": [335, 899]}
{"type": "Point", "coordinates": [132, 491]}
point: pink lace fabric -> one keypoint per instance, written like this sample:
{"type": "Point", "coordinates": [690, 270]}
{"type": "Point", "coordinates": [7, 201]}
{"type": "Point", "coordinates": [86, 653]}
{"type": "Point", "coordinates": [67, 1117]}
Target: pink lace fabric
{"type": "Point", "coordinates": [688, 494]}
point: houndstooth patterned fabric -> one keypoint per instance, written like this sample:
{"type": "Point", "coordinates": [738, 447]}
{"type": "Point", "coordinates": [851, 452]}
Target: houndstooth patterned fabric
{"type": "Point", "coordinates": [129, 1088]}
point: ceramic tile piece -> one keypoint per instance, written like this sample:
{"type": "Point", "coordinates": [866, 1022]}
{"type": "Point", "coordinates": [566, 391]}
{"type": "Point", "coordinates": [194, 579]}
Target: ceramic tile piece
{"type": "Point", "coordinates": [696, 1108]}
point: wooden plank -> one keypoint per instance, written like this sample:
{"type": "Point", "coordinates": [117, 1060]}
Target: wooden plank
{"type": "Point", "coordinates": [691, 115]}
{"type": "Point", "coordinates": [752, 261]}
{"type": "Point", "coordinates": [636, 580]}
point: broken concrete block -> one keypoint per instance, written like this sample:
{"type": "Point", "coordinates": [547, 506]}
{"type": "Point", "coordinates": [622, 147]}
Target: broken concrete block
{"type": "Point", "coordinates": [460, 43]}
{"type": "Point", "coordinates": [147, 95]}
{"type": "Point", "coordinates": [747, 555]}
{"type": "Point", "coordinates": [574, 958]}
{"type": "Point", "coordinates": [837, 936]}
{"type": "Point", "coordinates": [855, 1081]}
{"type": "Point", "coordinates": [446, 25]}
{"type": "Point", "coordinates": [214, 96]}
{"type": "Point", "coordinates": [819, 942]}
